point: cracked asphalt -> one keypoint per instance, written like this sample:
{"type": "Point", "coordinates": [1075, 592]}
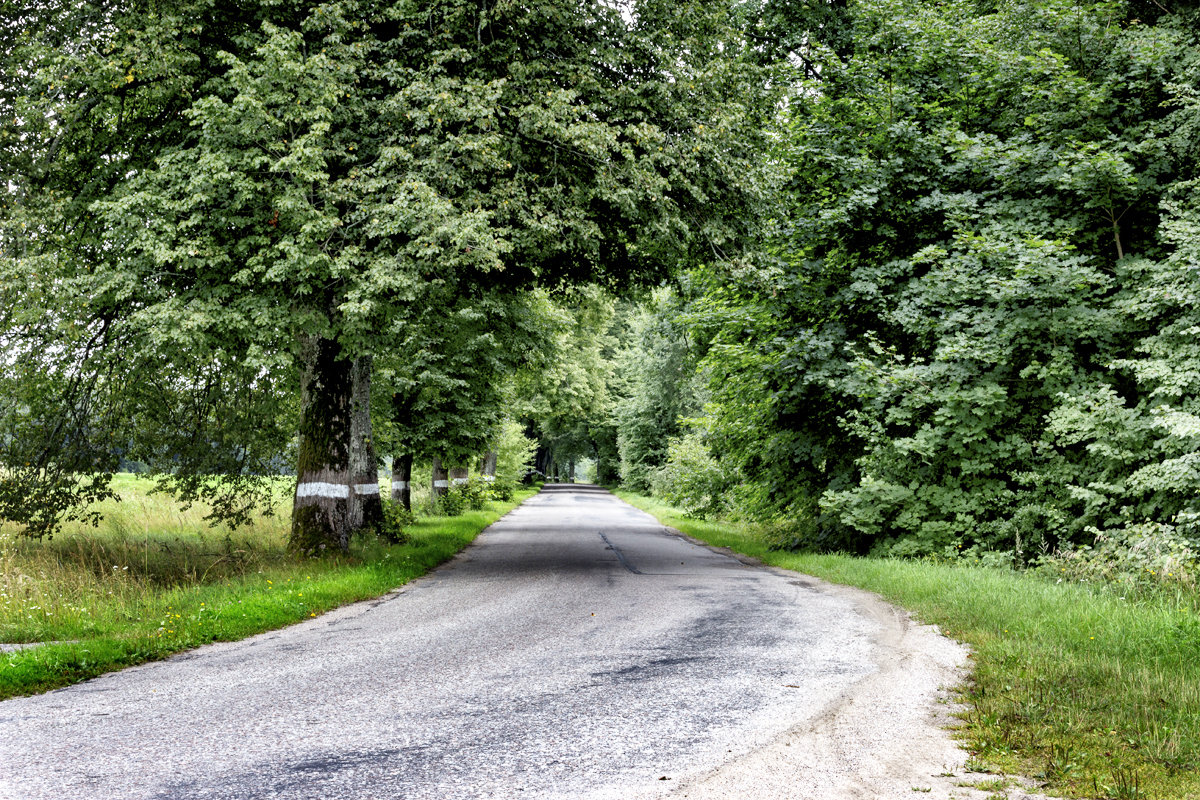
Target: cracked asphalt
{"type": "Point", "coordinates": [577, 650]}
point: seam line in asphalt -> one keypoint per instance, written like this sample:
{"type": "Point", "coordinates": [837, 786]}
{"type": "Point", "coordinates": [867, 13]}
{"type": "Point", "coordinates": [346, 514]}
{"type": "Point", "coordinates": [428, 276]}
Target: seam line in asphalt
{"type": "Point", "coordinates": [620, 556]}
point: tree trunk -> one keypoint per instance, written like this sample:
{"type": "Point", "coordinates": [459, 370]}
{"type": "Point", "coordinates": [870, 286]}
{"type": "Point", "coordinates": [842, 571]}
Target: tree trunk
{"type": "Point", "coordinates": [487, 467]}
{"type": "Point", "coordinates": [402, 481]}
{"type": "Point", "coordinates": [402, 417]}
{"type": "Point", "coordinates": [460, 476]}
{"type": "Point", "coordinates": [321, 503]}
{"type": "Point", "coordinates": [544, 461]}
{"type": "Point", "coordinates": [441, 479]}
{"type": "Point", "coordinates": [366, 508]}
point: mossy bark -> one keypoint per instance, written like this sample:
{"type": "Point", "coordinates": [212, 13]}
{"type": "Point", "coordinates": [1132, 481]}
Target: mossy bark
{"type": "Point", "coordinates": [366, 506]}
{"type": "Point", "coordinates": [321, 503]}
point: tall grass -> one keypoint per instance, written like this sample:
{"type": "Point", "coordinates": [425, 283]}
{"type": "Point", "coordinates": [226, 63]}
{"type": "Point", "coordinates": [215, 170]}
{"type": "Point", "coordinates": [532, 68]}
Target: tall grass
{"type": "Point", "coordinates": [153, 579]}
{"type": "Point", "coordinates": [1091, 687]}
{"type": "Point", "coordinates": [86, 579]}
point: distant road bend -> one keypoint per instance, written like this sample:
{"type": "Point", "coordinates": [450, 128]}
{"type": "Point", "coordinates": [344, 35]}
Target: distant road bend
{"type": "Point", "coordinates": [577, 650]}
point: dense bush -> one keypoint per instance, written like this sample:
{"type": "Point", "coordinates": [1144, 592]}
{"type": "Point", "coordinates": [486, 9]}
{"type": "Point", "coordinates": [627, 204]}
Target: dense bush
{"type": "Point", "coordinates": [692, 479]}
{"type": "Point", "coordinates": [979, 329]}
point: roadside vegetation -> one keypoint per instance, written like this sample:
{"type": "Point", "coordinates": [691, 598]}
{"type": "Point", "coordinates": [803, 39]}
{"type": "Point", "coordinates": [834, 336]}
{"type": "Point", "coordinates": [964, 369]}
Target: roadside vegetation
{"type": "Point", "coordinates": [152, 580]}
{"type": "Point", "coordinates": [1089, 685]}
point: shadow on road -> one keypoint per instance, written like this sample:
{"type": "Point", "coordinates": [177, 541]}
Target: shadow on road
{"type": "Point", "coordinates": [590, 488]}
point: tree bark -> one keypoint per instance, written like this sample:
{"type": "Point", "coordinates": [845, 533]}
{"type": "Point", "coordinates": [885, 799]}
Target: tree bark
{"type": "Point", "coordinates": [460, 476]}
{"type": "Point", "coordinates": [402, 481]}
{"type": "Point", "coordinates": [544, 461]}
{"type": "Point", "coordinates": [487, 468]}
{"type": "Point", "coordinates": [366, 506]}
{"type": "Point", "coordinates": [441, 479]}
{"type": "Point", "coordinates": [321, 504]}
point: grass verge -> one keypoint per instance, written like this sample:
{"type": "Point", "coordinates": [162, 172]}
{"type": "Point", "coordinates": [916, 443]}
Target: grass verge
{"type": "Point", "coordinates": [117, 597]}
{"type": "Point", "coordinates": [1090, 688]}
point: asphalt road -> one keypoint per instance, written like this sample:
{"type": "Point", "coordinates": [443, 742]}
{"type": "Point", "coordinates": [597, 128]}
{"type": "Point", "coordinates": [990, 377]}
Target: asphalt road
{"type": "Point", "coordinates": [577, 650]}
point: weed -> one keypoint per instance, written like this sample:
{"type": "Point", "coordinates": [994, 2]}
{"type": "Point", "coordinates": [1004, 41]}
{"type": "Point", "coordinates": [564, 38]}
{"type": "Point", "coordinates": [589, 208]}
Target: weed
{"type": "Point", "coordinates": [1060, 762]}
{"type": "Point", "coordinates": [1126, 786]}
{"type": "Point", "coordinates": [993, 785]}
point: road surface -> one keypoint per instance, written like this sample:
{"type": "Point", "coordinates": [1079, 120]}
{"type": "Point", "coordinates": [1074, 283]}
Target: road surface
{"type": "Point", "coordinates": [577, 650]}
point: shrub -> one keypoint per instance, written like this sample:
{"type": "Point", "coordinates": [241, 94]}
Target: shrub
{"type": "Point", "coordinates": [1149, 552]}
{"type": "Point", "coordinates": [453, 502]}
{"type": "Point", "coordinates": [396, 519]}
{"type": "Point", "coordinates": [475, 494]}
{"type": "Point", "coordinates": [692, 479]}
{"type": "Point", "coordinates": [502, 490]}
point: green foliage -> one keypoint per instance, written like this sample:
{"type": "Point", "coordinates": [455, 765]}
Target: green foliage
{"type": "Point", "coordinates": [193, 188]}
{"type": "Point", "coordinates": [504, 491]}
{"type": "Point", "coordinates": [658, 368]}
{"type": "Point", "coordinates": [1146, 554]}
{"type": "Point", "coordinates": [397, 520]}
{"type": "Point", "coordinates": [692, 480]}
{"type": "Point", "coordinates": [972, 332]}
{"type": "Point", "coordinates": [454, 501]}
{"type": "Point", "coordinates": [514, 454]}
{"type": "Point", "coordinates": [445, 384]}
{"type": "Point", "coordinates": [95, 368]}
{"type": "Point", "coordinates": [477, 494]}
{"type": "Point", "coordinates": [471, 496]}
{"type": "Point", "coordinates": [569, 388]}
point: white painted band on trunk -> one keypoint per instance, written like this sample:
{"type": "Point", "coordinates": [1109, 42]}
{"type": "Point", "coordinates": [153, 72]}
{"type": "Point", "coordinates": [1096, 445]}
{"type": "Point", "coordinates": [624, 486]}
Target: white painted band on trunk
{"type": "Point", "coordinates": [366, 488]}
{"type": "Point", "coordinates": [488, 478]}
{"type": "Point", "coordinates": [461, 481]}
{"type": "Point", "coordinates": [441, 484]}
{"type": "Point", "coordinates": [322, 489]}
{"type": "Point", "coordinates": [399, 485]}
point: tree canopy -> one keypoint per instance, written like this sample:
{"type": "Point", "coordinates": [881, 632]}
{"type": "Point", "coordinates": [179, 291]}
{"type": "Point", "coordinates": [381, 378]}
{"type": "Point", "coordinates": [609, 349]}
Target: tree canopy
{"type": "Point", "coordinates": [924, 270]}
{"type": "Point", "coordinates": [222, 185]}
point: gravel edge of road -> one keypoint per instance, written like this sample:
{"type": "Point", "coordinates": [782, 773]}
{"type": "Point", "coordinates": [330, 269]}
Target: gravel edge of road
{"type": "Point", "coordinates": [889, 737]}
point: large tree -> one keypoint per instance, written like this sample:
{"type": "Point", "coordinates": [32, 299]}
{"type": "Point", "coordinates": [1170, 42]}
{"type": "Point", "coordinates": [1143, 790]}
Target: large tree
{"type": "Point", "coordinates": [306, 174]}
{"type": "Point", "coordinates": [99, 363]}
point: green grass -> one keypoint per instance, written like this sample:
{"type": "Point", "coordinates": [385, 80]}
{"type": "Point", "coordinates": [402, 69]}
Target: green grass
{"type": "Point", "coordinates": [153, 580]}
{"type": "Point", "coordinates": [1093, 689]}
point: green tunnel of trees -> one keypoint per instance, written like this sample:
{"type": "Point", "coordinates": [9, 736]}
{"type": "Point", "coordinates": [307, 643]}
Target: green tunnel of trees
{"type": "Point", "coordinates": [903, 276]}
